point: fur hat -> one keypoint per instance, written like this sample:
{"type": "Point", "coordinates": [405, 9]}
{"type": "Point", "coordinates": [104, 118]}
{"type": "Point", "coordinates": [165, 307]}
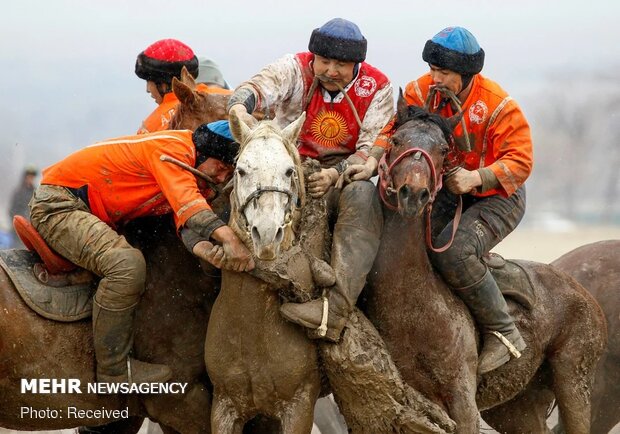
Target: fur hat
{"type": "Point", "coordinates": [456, 49]}
{"type": "Point", "coordinates": [164, 59]}
{"type": "Point", "coordinates": [339, 39]}
{"type": "Point", "coordinates": [214, 140]}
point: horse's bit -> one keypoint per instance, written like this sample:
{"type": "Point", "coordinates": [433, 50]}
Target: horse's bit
{"type": "Point", "coordinates": [386, 188]}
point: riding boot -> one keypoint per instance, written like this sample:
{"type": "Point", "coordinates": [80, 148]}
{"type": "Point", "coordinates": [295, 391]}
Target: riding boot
{"type": "Point", "coordinates": [490, 310]}
{"type": "Point", "coordinates": [113, 337]}
{"type": "Point", "coordinates": [355, 243]}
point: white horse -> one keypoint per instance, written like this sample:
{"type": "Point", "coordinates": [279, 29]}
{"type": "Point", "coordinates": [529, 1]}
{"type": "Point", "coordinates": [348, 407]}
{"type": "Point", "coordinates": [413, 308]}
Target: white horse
{"type": "Point", "coordinates": [258, 362]}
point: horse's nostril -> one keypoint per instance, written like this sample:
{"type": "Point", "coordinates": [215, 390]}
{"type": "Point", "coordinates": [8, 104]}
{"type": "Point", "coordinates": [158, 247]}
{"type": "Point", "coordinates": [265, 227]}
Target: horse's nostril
{"type": "Point", "coordinates": [424, 196]}
{"type": "Point", "coordinates": [404, 191]}
{"type": "Point", "coordinates": [279, 235]}
{"type": "Point", "coordinates": [255, 234]}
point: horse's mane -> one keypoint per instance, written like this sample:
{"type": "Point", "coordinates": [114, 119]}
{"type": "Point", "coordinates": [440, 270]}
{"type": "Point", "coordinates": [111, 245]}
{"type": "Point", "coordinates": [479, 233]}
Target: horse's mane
{"type": "Point", "coordinates": [418, 113]}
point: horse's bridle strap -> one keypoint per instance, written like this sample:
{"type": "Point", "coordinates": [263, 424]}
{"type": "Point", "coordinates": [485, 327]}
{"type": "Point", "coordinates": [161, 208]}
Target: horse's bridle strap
{"type": "Point", "coordinates": [256, 193]}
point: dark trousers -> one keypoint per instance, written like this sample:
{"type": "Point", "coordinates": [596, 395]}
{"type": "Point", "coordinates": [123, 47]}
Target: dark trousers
{"type": "Point", "coordinates": [484, 223]}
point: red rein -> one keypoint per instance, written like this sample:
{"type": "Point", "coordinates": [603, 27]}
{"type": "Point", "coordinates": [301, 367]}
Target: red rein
{"type": "Point", "coordinates": [386, 188]}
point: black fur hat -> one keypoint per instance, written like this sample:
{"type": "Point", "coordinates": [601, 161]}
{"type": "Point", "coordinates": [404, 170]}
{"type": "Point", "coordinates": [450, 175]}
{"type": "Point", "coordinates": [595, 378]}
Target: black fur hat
{"type": "Point", "coordinates": [339, 39]}
{"type": "Point", "coordinates": [456, 49]}
{"type": "Point", "coordinates": [214, 140]}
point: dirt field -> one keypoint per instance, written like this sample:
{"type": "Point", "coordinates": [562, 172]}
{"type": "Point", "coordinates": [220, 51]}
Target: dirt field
{"type": "Point", "coordinates": [524, 243]}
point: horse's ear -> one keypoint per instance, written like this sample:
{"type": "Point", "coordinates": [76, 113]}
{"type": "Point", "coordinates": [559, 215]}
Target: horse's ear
{"type": "Point", "coordinates": [291, 132]}
{"type": "Point", "coordinates": [187, 78]}
{"type": "Point", "coordinates": [183, 92]}
{"type": "Point", "coordinates": [238, 127]}
{"type": "Point", "coordinates": [402, 109]}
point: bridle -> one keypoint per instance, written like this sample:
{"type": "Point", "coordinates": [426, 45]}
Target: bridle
{"type": "Point", "coordinates": [386, 188]}
{"type": "Point", "coordinates": [293, 198]}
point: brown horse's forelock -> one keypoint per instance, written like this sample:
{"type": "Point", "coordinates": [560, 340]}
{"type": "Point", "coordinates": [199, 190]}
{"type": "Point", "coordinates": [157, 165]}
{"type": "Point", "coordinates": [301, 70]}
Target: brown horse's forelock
{"type": "Point", "coordinates": [418, 113]}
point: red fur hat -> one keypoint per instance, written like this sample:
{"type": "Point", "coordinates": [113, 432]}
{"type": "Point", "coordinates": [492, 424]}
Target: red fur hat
{"type": "Point", "coordinates": [164, 59]}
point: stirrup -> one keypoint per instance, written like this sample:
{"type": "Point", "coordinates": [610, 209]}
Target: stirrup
{"type": "Point", "coordinates": [511, 348]}
{"type": "Point", "coordinates": [129, 379]}
{"type": "Point", "coordinates": [322, 329]}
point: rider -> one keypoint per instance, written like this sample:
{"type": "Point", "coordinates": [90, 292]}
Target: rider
{"type": "Point", "coordinates": [496, 153]}
{"type": "Point", "coordinates": [158, 64]}
{"type": "Point", "coordinates": [347, 102]}
{"type": "Point", "coordinates": [209, 73]}
{"type": "Point", "coordinates": [83, 198]}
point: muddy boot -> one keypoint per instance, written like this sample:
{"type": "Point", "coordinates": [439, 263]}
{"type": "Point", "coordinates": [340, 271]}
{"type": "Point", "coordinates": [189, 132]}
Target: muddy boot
{"type": "Point", "coordinates": [355, 243]}
{"type": "Point", "coordinates": [501, 337]}
{"type": "Point", "coordinates": [113, 337]}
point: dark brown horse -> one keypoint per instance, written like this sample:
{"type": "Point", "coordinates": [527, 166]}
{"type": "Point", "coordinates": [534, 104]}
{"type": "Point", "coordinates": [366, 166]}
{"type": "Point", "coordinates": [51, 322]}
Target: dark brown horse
{"type": "Point", "coordinates": [431, 334]}
{"type": "Point", "coordinates": [171, 325]}
{"type": "Point", "coordinates": [597, 267]}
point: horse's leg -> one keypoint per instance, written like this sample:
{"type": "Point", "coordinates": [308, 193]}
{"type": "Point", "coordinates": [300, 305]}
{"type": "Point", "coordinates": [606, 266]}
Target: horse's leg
{"type": "Point", "coordinates": [130, 425]}
{"type": "Point", "coordinates": [184, 413]}
{"type": "Point", "coordinates": [463, 410]}
{"type": "Point", "coordinates": [606, 396]}
{"type": "Point", "coordinates": [526, 413]}
{"type": "Point", "coordinates": [298, 417]}
{"type": "Point", "coordinates": [573, 376]}
{"type": "Point", "coordinates": [224, 416]}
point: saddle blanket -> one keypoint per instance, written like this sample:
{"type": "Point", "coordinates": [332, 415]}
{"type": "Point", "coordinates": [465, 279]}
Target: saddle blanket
{"type": "Point", "coordinates": [66, 304]}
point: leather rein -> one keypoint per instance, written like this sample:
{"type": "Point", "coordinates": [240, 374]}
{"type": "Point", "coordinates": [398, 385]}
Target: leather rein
{"type": "Point", "coordinates": [386, 189]}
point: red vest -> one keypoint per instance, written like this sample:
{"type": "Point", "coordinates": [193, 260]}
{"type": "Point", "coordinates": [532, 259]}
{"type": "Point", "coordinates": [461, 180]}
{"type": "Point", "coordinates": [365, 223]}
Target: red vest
{"type": "Point", "coordinates": [330, 129]}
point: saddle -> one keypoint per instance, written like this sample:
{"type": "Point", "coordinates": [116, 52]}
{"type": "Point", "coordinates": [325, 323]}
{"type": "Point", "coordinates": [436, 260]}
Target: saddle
{"type": "Point", "coordinates": [512, 279]}
{"type": "Point", "coordinates": [49, 284]}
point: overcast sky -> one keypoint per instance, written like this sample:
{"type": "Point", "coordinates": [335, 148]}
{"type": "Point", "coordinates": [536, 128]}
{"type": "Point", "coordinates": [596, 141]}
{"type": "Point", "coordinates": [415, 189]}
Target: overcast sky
{"type": "Point", "coordinates": [67, 65]}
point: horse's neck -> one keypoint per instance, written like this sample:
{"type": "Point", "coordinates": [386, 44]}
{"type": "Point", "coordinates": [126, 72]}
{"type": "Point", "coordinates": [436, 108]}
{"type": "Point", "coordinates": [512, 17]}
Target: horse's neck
{"type": "Point", "coordinates": [406, 239]}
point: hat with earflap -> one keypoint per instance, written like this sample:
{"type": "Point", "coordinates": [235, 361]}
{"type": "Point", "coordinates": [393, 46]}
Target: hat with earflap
{"type": "Point", "coordinates": [164, 59]}
{"type": "Point", "coordinates": [214, 140]}
{"type": "Point", "coordinates": [456, 49]}
{"type": "Point", "coordinates": [339, 39]}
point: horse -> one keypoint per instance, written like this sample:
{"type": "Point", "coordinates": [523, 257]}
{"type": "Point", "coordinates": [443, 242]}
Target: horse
{"type": "Point", "coordinates": [597, 267]}
{"type": "Point", "coordinates": [429, 331]}
{"type": "Point", "coordinates": [250, 372]}
{"type": "Point", "coordinates": [171, 323]}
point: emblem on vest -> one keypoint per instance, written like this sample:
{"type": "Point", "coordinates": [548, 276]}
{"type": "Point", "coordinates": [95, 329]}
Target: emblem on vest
{"type": "Point", "coordinates": [329, 128]}
{"type": "Point", "coordinates": [478, 112]}
{"type": "Point", "coordinates": [365, 86]}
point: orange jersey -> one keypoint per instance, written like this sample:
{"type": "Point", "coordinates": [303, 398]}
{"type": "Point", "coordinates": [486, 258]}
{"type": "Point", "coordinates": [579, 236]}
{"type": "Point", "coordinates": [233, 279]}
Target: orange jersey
{"type": "Point", "coordinates": [126, 178]}
{"type": "Point", "coordinates": [499, 134]}
{"type": "Point", "coordinates": [161, 116]}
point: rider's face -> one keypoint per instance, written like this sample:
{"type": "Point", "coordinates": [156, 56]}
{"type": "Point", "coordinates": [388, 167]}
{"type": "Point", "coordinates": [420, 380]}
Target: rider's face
{"type": "Point", "coordinates": [447, 79]}
{"type": "Point", "coordinates": [151, 88]}
{"type": "Point", "coordinates": [332, 71]}
{"type": "Point", "coordinates": [217, 170]}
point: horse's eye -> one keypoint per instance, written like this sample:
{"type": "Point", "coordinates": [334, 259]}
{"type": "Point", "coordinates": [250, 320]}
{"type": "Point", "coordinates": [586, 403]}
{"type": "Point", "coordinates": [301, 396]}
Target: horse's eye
{"type": "Point", "coordinates": [240, 172]}
{"type": "Point", "coordinates": [395, 142]}
{"type": "Point", "coordinates": [444, 151]}
{"type": "Point", "coordinates": [289, 172]}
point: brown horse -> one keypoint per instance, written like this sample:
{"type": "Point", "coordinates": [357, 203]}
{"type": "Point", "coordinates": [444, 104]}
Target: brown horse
{"type": "Point", "coordinates": [171, 324]}
{"type": "Point", "coordinates": [597, 267]}
{"type": "Point", "coordinates": [430, 332]}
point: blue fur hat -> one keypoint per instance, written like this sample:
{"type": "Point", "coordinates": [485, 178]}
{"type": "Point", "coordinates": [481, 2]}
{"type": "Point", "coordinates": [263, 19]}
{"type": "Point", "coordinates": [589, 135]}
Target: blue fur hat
{"type": "Point", "coordinates": [456, 49]}
{"type": "Point", "coordinates": [214, 140]}
{"type": "Point", "coordinates": [339, 39]}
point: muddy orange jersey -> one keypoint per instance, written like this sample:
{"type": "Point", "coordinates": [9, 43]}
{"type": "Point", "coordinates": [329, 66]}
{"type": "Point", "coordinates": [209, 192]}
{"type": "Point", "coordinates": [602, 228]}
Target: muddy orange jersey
{"type": "Point", "coordinates": [499, 134]}
{"type": "Point", "coordinates": [126, 179]}
{"type": "Point", "coordinates": [160, 118]}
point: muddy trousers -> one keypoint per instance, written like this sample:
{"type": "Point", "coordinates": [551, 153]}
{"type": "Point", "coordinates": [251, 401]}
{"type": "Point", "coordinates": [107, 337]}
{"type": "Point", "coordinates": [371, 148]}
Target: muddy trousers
{"type": "Point", "coordinates": [68, 227]}
{"type": "Point", "coordinates": [357, 233]}
{"type": "Point", "coordinates": [484, 223]}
